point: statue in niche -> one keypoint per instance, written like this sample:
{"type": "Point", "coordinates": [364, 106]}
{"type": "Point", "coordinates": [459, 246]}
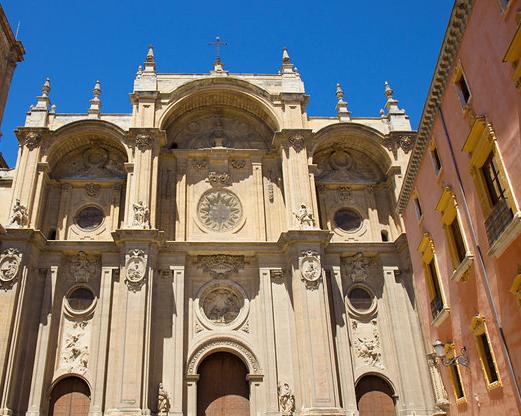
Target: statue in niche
{"type": "Point", "coordinates": [141, 214]}
{"type": "Point", "coordinates": [304, 218]}
{"type": "Point", "coordinates": [19, 216]}
{"type": "Point", "coordinates": [163, 402]}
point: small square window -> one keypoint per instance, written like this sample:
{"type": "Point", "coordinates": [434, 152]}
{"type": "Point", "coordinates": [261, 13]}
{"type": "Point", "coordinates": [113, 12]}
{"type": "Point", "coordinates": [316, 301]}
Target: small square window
{"type": "Point", "coordinates": [417, 208]}
{"type": "Point", "coordinates": [463, 89]}
{"type": "Point", "coordinates": [436, 162]}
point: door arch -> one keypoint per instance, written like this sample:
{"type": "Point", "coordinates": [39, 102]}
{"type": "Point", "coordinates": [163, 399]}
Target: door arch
{"type": "Point", "coordinates": [70, 397]}
{"type": "Point", "coordinates": [222, 388]}
{"type": "Point", "coordinates": [374, 397]}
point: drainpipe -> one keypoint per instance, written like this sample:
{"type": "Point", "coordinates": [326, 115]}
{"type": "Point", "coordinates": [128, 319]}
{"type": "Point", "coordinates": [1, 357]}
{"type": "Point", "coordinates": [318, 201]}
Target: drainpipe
{"type": "Point", "coordinates": [485, 277]}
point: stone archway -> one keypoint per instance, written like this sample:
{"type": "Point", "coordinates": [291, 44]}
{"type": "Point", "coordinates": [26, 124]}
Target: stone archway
{"type": "Point", "coordinates": [70, 397]}
{"type": "Point", "coordinates": [223, 388]}
{"type": "Point", "coordinates": [375, 397]}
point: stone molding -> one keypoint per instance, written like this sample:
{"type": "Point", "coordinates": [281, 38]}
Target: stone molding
{"type": "Point", "coordinates": [232, 345]}
{"type": "Point", "coordinates": [449, 50]}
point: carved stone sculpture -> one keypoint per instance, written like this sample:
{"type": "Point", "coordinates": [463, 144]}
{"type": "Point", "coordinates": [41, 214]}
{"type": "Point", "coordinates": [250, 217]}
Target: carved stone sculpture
{"type": "Point", "coordinates": [143, 142]}
{"type": "Point", "coordinates": [141, 215]}
{"type": "Point", "coordinates": [199, 164]}
{"type": "Point", "coordinates": [219, 179]}
{"type": "Point", "coordinates": [310, 269]}
{"type": "Point", "coordinates": [357, 267]}
{"type": "Point", "coordinates": [136, 268]}
{"type": "Point", "coordinates": [238, 163]}
{"type": "Point", "coordinates": [222, 305]}
{"type": "Point", "coordinates": [32, 140]}
{"type": "Point", "coordinates": [367, 346]}
{"type": "Point", "coordinates": [19, 216]}
{"type": "Point", "coordinates": [92, 190]}
{"type": "Point", "coordinates": [304, 218]}
{"type": "Point", "coordinates": [297, 142]}
{"type": "Point", "coordinates": [286, 399]}
{"type": "Point", "coordinates": [75, 352]}
{"type": "Point", "coordinates": [219, 210]}
{"type": "Point", "coordinates": [82, 267]}
{"type": "Point", "coordinates": [220, 266]}
{"type": "Point", "coordinates": [10, 260]}
{"type": "Point", "coordinates": [163, 401]}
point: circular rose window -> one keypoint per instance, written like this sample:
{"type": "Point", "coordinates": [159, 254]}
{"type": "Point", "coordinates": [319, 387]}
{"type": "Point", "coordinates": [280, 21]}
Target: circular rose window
{"type": "Point", "coordinates": [89, 218]}
{"type": "Point", "coordinates": [80, 299]}
{"type": "Point", "coordinates": [348, 219]}
{"type": "Point", "coordinates": [219, 210]}
{"type": "Point", "coordinates": [222, 305]}
{"type": "Point", "coordinates": [360, 299]}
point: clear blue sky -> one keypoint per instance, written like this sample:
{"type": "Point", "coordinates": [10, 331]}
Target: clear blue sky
{"type": "Point", "coordinates": [358, 43]}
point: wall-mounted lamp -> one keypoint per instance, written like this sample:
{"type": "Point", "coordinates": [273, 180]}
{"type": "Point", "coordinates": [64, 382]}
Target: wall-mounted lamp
{"type": "Point", "coordinates": [461, 358]}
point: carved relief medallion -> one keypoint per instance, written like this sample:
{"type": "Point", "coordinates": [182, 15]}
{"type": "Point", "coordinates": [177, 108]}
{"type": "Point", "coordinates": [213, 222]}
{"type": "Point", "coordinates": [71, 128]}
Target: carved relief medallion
{"type": "Point", "coordinates": [10, 260]}
{"type": "Point", "coordinates": [310, 268]}
{"type": "Point", "coordinates": [220, 266]}
{"type": "Point", "coordinates": [222, 305]}
{"type": "Point", "coordinates": [219, 210]}
{"type": "Point", "coordinates": [82, 267]}
{"type": "Point", "coordinates": [136, 268]}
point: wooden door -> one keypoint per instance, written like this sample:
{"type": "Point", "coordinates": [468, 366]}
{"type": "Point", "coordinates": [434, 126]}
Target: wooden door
{"type": "Point", "coordinates": [70, 397]}
{"type": "Point", "coordinates": [222, 389]}
{"type": "Point", "coordinates": [374, 397]}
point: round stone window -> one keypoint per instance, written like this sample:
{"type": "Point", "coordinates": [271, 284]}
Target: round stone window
{"type": "Point", "coordinates": [219, 210]}
{"type": "Point", "coordinates": [222, 305]}
{"type": "Point", "coordinates": [347, 219]}
{"type": "Point", "coordinates": [360, 299]}
{"type": "Point", "coordinates": [80, 299]}
{"type": "Point", "coordinates": [89, 218]}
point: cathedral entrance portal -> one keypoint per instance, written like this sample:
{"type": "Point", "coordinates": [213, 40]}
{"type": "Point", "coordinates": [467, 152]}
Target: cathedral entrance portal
{"type": "Point", "coordinates": [70, 397]}
{"type": "Point", "coordinates": [222, 389]}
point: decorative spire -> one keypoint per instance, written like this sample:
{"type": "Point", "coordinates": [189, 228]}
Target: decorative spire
{"type": "Point", "coordinates": [43, 101]}
{"type": "Point", "coordinates": [218, 43]}
{"type": "Point", "coordinates": [341, 106]}
{"type": "Point", "coordinates": [391, 104]}
{"type": "Point", "coordinates": [287, 66]}
{"type": "Point", "coordinates": [150, 61]}
{"type": "Point", "coordinates": [95, 102]}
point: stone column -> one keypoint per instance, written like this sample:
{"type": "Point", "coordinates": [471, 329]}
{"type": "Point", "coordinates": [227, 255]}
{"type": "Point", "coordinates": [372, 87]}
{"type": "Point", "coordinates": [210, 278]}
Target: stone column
{"type": "Point", "coordinates": [65, 197]}
{"type": "Point", "coordinates": [39, 194]}
{"type": "Point", "coordinates": [191, 395]}
{"type": "Point", "coordinates": [316, 357]}
{"type": "Point", "coordinates": [102, 323]}
{"type": "Point", "coordinates": [259, 196]}
{"type": "Point", "coordinates": [37, 393]}
{"type": "Point", "coordinates": [181, 190]}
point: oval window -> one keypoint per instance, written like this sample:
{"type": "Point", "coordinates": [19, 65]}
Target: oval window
{"type": "Point", "coordinates": [80, 299]}
{"type": "Point", "coordinates": [348, 219]}
{"type": "Point", "coordinates": [89, 218]}
{"type": "Point", "coordinates": [360, 299]}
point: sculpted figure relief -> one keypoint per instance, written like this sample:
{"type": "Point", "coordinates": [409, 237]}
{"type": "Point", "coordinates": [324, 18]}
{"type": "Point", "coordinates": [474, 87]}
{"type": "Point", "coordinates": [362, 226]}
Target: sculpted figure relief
{"type": "Point", "coordinates": [19, 217]}
{"type": "Point", "coordinates": [310, 268]}
{"type": "Point", "coordinates": [141, 215]}
{"type": "Point", "coordinates": [222, 306]}
{"type": "Point", "coordinates": [82, 267]}
{"type": "Point", "coordinates": [9, 266]}
{"type": "Point", "coordinates": [163, 401]}
{"type": "Point", "coordinates": [286, 399]}
{"type": "Point", "coordinates": [357, 267]}
{"type": "Point", "coordinates": [304, 218]}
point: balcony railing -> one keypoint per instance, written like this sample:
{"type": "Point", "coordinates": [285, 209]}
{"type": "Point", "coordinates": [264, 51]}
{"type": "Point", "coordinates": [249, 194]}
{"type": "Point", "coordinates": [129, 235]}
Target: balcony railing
{"type": "Point", "coordinates": [498, 220]}
{"type": "Point", "coordinates": [436, 306]}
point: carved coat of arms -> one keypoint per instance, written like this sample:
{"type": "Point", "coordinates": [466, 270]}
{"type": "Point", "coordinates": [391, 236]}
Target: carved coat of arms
{"type": "Point", "coordinates": [136, 268]}
{"type": "Point", "coordinates": [310, 268]}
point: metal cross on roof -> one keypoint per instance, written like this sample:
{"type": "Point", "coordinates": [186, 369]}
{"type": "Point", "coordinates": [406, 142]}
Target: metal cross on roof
{"type": "Point", "coordinates": [218, 43]}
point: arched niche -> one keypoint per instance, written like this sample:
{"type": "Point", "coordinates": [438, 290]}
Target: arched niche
{"type": "Point", "coordinates": [70, 395]}
{"type": "Point", "coordinates": [375, 395]}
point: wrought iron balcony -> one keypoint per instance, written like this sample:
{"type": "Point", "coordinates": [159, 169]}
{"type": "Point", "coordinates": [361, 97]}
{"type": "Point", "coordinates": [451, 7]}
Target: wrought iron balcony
{"type": "Point", "coordinates": [498, 220]}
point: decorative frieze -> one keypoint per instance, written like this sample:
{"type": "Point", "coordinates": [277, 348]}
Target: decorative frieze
{"type": "Point", "coordinates": [220, 266]}
{"type": "Point", "coordinates": [310, 268]}
{"type": "Point", "coordinates": [136, 269]}
{"type": "Point", "coordinates": [199, 164]}
{"type": "Point", "coordinates": [10, 261]}
{"type": "Point", "coordinates": [286, 399]}
{"type": "Point", "coordinates": [19, 216]}
{"type": "Point", "coordinates": [238, 163]}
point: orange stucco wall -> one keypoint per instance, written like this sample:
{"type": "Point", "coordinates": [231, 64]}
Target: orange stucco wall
{"type": "Point", "coordinates": [487, 37]}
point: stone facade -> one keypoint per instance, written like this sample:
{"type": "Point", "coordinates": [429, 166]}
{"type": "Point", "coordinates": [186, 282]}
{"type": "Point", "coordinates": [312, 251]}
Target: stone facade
{"type": "Point", "coordinates": [461, 207]}
{"type": "Point", "coordinates": [11, 52]}
{"type": "Point", "coordinates": [216, 217]}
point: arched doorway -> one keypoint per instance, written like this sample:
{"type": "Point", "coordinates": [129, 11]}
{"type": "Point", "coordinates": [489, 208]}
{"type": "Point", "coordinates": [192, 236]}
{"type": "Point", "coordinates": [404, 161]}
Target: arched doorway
{"type": "Point", "coordinates": [374, 397]}
{"type": "Point", "coordinates": [70, 397]}
{"type": "Point", "coordinates": [222, 388]}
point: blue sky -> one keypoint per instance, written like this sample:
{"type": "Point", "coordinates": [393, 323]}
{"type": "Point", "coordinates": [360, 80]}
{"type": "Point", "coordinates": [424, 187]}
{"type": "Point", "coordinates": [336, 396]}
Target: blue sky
{"type": "Point", "coordinates": [360, 44]}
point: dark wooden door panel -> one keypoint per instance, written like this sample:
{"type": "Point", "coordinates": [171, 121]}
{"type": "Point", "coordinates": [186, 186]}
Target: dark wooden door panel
{"type": "Point", "coordinates": [70, 397]}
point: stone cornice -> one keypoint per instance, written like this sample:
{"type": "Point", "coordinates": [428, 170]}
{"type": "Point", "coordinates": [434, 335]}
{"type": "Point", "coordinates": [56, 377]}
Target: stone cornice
{"type": "Point", "coordinates": [449, 50]}
{"type": "Point", "coordinates": [16, 48]}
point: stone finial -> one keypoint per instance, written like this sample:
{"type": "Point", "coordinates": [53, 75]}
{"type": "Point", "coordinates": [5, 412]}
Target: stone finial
{"type": "Point", "coordinates": [341, 106]}
{"type": "Point", "coordinates": [287, 65]}
{"type": "Point", "coordinates": [46, 88]}
{"type": "Point", "coordinates": [391, 104]}
{"type": "Point", "coordinates": [43, 101]}
{"type": "Point", "coordinates": [150, 61]}
{"type": "Point", "coordinates": [95, 102]}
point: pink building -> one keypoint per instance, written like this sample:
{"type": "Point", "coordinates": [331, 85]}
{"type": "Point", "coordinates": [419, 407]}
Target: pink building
{"type": "Point", "coordinates": [461, 205]}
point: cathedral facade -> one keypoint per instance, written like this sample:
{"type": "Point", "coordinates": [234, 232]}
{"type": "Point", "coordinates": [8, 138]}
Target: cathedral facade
{"type": "Point", "coordinates": [218, 251]}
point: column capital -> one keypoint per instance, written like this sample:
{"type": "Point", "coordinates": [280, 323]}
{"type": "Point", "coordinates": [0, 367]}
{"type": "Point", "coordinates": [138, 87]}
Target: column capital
{"type": "Point", "coordinates": [298, 139]}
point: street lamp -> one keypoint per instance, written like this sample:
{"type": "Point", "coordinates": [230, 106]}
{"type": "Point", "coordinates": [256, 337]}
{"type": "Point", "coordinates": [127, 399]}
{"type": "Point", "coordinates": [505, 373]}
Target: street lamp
{"type": "Point", "coordinates": [439, 349]}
